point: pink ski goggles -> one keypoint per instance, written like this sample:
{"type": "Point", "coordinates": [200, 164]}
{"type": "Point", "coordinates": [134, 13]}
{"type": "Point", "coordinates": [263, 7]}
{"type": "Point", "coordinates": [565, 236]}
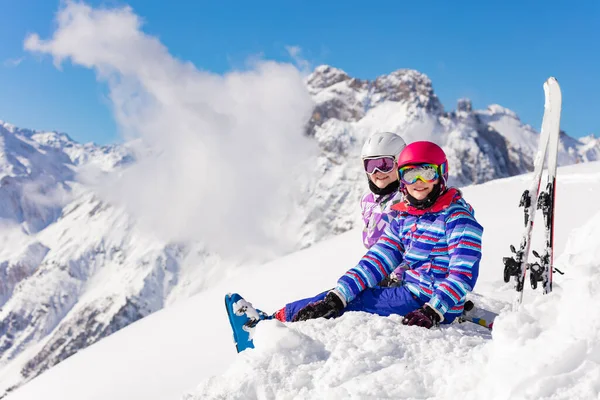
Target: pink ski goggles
{"type": "Point", "coordinates": [428, 173]}
{"type": "Point", "coordinates": [381, 164]}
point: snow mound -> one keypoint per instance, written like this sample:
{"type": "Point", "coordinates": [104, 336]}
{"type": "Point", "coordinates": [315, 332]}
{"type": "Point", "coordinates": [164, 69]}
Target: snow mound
{"type": "Point", "coordinates": [356, 356]}
{"type": "Point", "coordinates": [284, 357]}
{"type": "Point", "coordinates": [551, 348]}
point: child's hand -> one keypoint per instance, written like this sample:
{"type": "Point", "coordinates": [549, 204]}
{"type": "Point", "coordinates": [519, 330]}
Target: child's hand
{"type": "Point", "coordinates": [425, 317]}
{"type": "Point", "coordinates": [330, 307]}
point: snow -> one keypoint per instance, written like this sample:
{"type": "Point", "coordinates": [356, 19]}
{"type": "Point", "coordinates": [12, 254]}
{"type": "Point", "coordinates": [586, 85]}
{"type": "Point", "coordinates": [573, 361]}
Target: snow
{"type": "Point", "coordinates": [548, 349]}
{"type": "Point", "coordinates": [510, 126]}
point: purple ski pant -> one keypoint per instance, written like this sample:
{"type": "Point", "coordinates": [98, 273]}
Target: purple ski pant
{"type": "Point", "coordinates": [382, 301]}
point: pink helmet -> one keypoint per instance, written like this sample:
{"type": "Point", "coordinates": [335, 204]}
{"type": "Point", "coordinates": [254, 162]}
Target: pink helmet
{"type": "Point", "coordinates": [425, 153]}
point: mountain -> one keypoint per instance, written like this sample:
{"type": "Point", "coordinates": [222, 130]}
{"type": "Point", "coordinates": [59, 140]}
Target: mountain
{"type": "Point", "coordinates": [548, 349]}
{"type": "Point", "coordinates": [75, 268]}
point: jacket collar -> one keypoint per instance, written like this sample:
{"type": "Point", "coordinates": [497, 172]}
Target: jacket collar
{"type": "Point", "coordinates": [452, 195]}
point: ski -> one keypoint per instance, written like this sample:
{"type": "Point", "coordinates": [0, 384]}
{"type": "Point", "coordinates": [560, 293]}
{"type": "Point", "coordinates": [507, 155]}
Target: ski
{"type": "Point", "coordinates": [485, 322]}
{"type": "Point", "coordinates": [477, 316]}
{"type": "Point", "coordinates": [547, 201]}
{"type": "Point", "coordinates": [532, 199]}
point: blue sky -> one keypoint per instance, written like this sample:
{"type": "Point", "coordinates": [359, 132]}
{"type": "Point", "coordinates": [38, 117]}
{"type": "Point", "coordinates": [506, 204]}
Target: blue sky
{"type": "Point", "coordinates": [491, 52]}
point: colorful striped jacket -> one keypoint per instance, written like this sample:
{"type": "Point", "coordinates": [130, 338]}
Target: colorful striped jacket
{"type": "Point", "coordinates": [436, 252]}
{"type": "Point", "coordinates": [377, 215]}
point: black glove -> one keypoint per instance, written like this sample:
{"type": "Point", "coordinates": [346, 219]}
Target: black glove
{"type": "Point", "coordinates": [425, 317]}
{"type": "Point", "coordinates": [330, 307]}
{"type": "Point", "coordinates": [390, 281]}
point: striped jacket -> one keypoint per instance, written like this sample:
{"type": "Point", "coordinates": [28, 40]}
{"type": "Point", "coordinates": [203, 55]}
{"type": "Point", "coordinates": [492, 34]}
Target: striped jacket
{"type": "Point", "coordinates": [436, 252]}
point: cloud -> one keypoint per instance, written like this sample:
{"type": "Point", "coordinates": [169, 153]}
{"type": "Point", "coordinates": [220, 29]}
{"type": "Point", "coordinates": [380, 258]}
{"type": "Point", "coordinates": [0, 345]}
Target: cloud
{"type": "Point", "coordinates": [295, 53]}
{"type": "Point", "coordinates": [46, 195]}
{"type": "Point", "coordinates": [218, 155]}
{"type": "Point", "coordinates": [13, 62]}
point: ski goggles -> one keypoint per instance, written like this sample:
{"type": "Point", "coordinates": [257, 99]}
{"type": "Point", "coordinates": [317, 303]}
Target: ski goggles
{"type": "Point", "coordinates": [426, 172]}
{"type": "Point", "coordinates": [381, 164]}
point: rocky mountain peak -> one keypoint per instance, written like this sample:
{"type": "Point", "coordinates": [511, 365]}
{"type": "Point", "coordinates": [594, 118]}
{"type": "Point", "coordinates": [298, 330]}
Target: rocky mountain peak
{"type": "Point", "coordinates": [499, 110]}
{"type": "Point", "coordinates": [341, 97]}
{"type": "Point", "coordinates": [325, 76]}
{"type": "Point", "coordinates": [408, 85]}
{"type": "Point", "coordinates": [464, 105]}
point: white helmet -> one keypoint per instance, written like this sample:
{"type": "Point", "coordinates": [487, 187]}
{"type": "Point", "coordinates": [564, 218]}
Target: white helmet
{"type": "Point", "coordinates": [383, 144]}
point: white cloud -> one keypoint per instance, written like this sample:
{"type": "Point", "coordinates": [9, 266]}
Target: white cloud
{"type": "Point", "coordinates": [218, 150]}
{"type": "Point", "coordinates": [13, 62]}
{"type": "Point", "coordinates": [45, 195]}
{"type": "Point", "coordinates": [295, 53]}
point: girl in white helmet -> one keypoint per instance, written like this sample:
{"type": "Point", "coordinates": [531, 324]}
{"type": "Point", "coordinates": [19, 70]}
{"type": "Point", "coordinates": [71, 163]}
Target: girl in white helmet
{"type": "Point", "coordinates": [380, 161]}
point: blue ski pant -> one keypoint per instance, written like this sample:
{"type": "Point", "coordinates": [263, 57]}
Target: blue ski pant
{"type": "Point", "coordinates": [382, 301]}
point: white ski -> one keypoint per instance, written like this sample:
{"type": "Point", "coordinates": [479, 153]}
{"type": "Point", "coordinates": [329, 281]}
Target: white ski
{"type": "Point", "coordinates": [548, 147]}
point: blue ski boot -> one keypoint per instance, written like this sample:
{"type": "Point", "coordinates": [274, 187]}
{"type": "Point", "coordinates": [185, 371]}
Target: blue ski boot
{"type": "Point", "coordinates": [243, 318]}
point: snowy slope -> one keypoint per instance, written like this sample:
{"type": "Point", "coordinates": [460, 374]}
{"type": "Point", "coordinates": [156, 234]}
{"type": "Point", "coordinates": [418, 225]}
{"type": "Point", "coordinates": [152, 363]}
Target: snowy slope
{"type": "Point", "coordinates": [549, 349]}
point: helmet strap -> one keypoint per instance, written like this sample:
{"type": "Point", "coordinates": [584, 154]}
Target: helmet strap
{"type": "Point", "coordinates": [427, 201]}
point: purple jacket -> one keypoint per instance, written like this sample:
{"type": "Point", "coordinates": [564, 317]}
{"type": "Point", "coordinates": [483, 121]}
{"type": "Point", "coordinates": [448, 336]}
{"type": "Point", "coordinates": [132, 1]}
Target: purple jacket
{"type": "Point", "coordinates": [377, 214]}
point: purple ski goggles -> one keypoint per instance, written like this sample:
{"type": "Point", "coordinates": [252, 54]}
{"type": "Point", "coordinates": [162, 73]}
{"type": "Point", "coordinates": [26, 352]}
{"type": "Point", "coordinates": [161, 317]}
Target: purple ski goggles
{"type": "Point", "coordinates": [381, 164]}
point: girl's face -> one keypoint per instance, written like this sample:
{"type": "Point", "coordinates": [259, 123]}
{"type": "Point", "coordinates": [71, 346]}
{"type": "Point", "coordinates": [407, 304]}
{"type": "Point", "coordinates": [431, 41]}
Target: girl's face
{"type": "Point", "coordinates": [420, 190]}
{"type": "Point", "coordinates": [381, 180]}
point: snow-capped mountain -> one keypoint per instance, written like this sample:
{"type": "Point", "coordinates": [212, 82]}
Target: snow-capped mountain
{"type": "Point", "coordinates": [37, 175]}
{"type": "Point", "coordinates": [56, 235]}
{"type": "Point", "coordinates": [75, 268]}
